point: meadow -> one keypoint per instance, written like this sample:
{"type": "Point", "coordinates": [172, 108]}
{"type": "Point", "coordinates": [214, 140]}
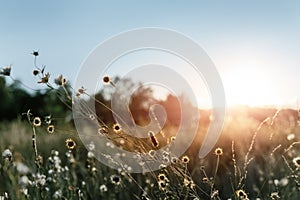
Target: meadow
{"type": "Point", "coordinates": [256, 157]}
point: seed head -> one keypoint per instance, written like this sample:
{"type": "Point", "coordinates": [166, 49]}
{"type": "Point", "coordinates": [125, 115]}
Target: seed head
{"type": "Point", "coordinates": [241, 194]}
{"type": "Point", "coordinates": [115, 179]}
{"type": "Point", "coordinates": [296, 162]}
{"type": "Point", "coordinates": [35, 53]}
{"type": "Point", "coordinates": [205, 180]}
{"type": "Point", "coordinates": [151, 153]}
{"type": "Point", "coordinates": [219, 151]}
{"type": "Point", "coordinates": [163, 185]}
{"type": "Point", "coordinates": [117, 128]}
{"type": "Point", "coordinates": [36, 122]}
{"type": "Point", "coordinates": [102, 131]}
{"type": "Point", "coordinates": [6, 154]}
{"type": "Point", "coordinates": [50, 129]}
{"type": "Point", "coordinates": [60, 80]}
{"type": "Point", "coordinates": [162, 177]}
{"type": "Point", "coordinates": [274, 196]}
{"type": "Point", "coordinates": [45, 78]}
{"type": "Point", "coordinates": [185, 159]}
{"type": "Point", "coordinates": [106, 79]}
{"type": "Point", "coordinates": [70, 144]}
{"type": "Point", "coordinates": [35, 72]}
{"type": "Point", "coordinates": [103, 188]}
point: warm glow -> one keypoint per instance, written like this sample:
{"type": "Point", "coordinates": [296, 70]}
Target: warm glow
{"type": "Point", "coordinates": [249, 85]}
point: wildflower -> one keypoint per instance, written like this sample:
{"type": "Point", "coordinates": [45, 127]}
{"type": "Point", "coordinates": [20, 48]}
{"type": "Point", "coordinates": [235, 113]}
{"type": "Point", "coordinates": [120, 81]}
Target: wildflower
{"type": "Point", "coordinates": [57, 194]}
{"type": "Point", "coordinates": [83, 183]}
{"type": "Point", "coordinates": [186, 182]}
{"type": "Point", "coordinates": [45, 79]}
{"type": "Point", "coordinates": [35, 53]}
{"type": "Point", "coordinates": [174, 160]}
{"type": "Point", "coordinates": [35, 72]}
{"type": "Point", "coordinates": [162, 177]}
{"type": "Point", "coordinates": [283, 182]}
{"type": "Point", "coordinates": [117, 128]}
{"type": "Point", "coordinates": [54, 153]}
{"type": "Point", "coordinates": [162, 166]}
{"type": "Point", "coordinates": [241, 194]}
{"type": "Point", "coordinates": [90, 154]}
{"type": "Point", "coordinates": [189, 183]}
{"type": "Point", "coordinates": [70, 157]}
{"type": "Point", "coordinates": [57, 164]}
{"type": "Point", "coordinates": [106, 79]}
{"type": "Point", "coordinates": [37, 122]}
{"type": "Point", "coordinates": [80, 91]}
{"type": "Point", "coordinates": [115, 179]}
{"type": "Point", "coordinates": [48, 119]}
{"type": "Point", "coordinates": [103, 188]}
{"type": "Point", "coordinates": [23, 181]}
{"type": "Point", "coordinates": [22, 168]}
{"type": "Point", "coordinates": [166, 154]}
{"type": "Point", "coordinates": [41, 179]}
{"type": "Point", "coordinates": [166, 160]}
{"type": "Point", "coordinates": [296, 162]}
{"type": "Point", "coordinates": [185, 159]}
{"type": "Point", "coordinates": [6, 71]}
{"type": "Point", "coordinates": [91, 146]}
{"type": "Point", "coordinates": [274, 196]}
{"type": "Point", "coordinates": [93, 169]}
{"type": "Point", "coordinates": [50, 129]}
{"type": "Point", "coordinates": [92, 117]}
{"type": "Point", "coordinates": [60, 81]}
{"type": "Point", "coordinates": [153, 139]}
{"type": "Point", "coordinates": [122, 142]}
{"type": "Point", "coordinates": [70, 144]}
{"type": "Point", "coordinates": [219, 151]}
{"type": "Point", "coordinates": [290, 136]}
{"type": "Point", "coordinates": [151, 153]}
{"type": "Point", "coordinates": [173, 138]}
{"type": "Point", "coordinates": [205, 180]}
{"type": "Point", "coordinates": [102, 131]}
{"type": "Point", "coordinates": [163, 185]}
{"type": "Point", "coordinates": [6, 154]}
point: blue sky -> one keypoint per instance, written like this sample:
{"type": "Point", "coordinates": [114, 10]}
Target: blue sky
{"type": "Point", "coordinates": [248, 41]}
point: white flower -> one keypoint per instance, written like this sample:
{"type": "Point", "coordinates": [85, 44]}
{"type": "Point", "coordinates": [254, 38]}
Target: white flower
{"type": "Point", "coordinates": [103, 188]}
{"type": "Point", "coordinates": [57, 194]}
{"type": "Point", "coordinates": [7, 154]}
{"type": "Point", "coordinates": [60, 80]}
{"type": "Point", "coordinates": [284, 181]}
{"type": "Point", "coordinates": [41, 179]}
{"type": "Point", "coordinates": [290, 136]}
{"type": "Point", "coordinates": [90, 154]}
{"type": "Point", "coordinates": [23, 181]}
{"type": "Point", "coordinates": [275, 195]}
{"type": "Point", "coordinates": [22, 168]}
{"type": "Point", "coordinates": [91, 146]}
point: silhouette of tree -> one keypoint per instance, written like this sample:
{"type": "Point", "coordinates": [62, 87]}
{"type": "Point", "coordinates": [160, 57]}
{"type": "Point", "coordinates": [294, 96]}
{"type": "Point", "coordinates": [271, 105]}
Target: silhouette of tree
{"type": "Point", "coordinates": [15, 100]}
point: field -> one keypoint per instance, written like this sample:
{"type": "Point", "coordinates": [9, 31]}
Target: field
{"type": "Point", "coordinates": [256, 156]}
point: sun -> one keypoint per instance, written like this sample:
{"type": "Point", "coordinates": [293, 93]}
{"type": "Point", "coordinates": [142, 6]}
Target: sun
{"type": "Point", "coordinates": [249, 85]}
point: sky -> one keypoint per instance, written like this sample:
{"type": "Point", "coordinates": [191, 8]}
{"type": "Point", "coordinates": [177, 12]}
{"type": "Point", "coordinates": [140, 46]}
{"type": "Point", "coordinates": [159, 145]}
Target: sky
{"type": "Point", "coordinates": [254, 45]}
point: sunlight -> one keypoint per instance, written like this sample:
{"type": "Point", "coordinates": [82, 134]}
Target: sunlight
{"type": "Point", "coordinates": [248, 84]}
